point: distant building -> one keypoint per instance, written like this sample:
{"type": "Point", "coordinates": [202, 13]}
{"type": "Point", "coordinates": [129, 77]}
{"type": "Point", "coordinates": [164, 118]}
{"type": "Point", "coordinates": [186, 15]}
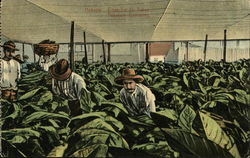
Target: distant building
{"type": "Point", "coordinates": [158, 52]}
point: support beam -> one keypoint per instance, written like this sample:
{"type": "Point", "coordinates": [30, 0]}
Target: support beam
{"type": "Point", "coordinates": [32, 46]}
{"type": "Point", "coordinates": [104, 53]}
{"type": "Point", "coordinates": [85, 49]}
{"type": "Point", "coordinates": [187, 53]}
{"type": "Point", "coordinates": [147, 53]}
{"type": "Point", "coordinates": [23, 49]}
{"type": "Point", "coordinates": [205, 48]}
{"type": "Point", "coordinates": [71, 51]}
{"type": "Point", "coordinates": [109, 55]}
{"type": "Point", "coordinates": [93, 53]}
{"type": "Point", "coordinates": [225, 46]}
{"type": "Point", "coordinates": [139, 52]}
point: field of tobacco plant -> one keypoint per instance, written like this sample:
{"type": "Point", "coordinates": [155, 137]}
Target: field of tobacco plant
{"type": "Point", "coordinates": [202, 111]}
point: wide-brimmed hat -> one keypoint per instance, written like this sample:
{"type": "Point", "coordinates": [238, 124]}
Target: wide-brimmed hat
{"type": "Point", "coordinates": [129, 74]}
{"type": "Point", "coordinates": [61, 70]}
{"type": "Point", "coordinates": [9, 44]}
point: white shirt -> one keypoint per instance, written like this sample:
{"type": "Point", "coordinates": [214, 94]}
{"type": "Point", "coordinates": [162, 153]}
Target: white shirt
{"type": "Point", "coordinates": [141, 101]}
{"type": "Point", "coordinates": [71, 88]}
{"type": "Point", "coordinates": [10, 74]}
{"type": "Point", "coordinates": [46, 62]}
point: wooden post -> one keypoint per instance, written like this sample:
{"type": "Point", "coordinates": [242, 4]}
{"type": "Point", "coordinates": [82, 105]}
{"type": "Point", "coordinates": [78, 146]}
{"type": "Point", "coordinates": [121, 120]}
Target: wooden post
{"type": "Point", "coordinates": [32, 46]}
{"type": "Point", "coordinates": [225, 46]}
{"type": "Point", "coordinates": [109, 55]}
{"type": "Point", "coordinates": [93, 53]}
{"type": "Point", "coordinates": [139, 52]}
{"type": "Point", "coordinates": [23, 49]}
{"type": "Point", "coordinates": [147, 52]}
{"type": "Point", "coordinates": [187, 44]}
{"type": "Point", "coordinates": [85, 48]}
{"type": "Point", "coordinates": [71, 55]}
{"type": "Point", "coordinates": [104, 53]}
{"type": "Point", "coordinates": [205, 49]}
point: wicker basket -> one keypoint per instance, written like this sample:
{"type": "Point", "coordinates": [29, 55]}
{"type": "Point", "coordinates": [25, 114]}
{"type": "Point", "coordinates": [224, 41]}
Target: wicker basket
{"type": "Point", "coordinates": [46, 49]}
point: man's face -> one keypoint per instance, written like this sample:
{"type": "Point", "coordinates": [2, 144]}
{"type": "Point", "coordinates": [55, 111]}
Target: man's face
{"type": "Point", "coordinates": [9, 52]}
{"type": "Point", "coordinates": [129, 85]}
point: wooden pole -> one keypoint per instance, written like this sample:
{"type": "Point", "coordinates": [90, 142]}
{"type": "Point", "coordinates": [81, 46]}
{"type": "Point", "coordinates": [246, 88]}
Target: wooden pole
{"type": "Point", "coordinates": [109, 55]}
{"type": "Point", "coordinates": [205, 48]}
{"type": "Point", "coordinates": [225, 46]}
{"type": "Point", "coordinates": [85, 48]}
{"type": "Point", "coordinates": [139, 52]}
{"type": "Point", "coordinates": [71, 55]}
{"type": "Point", "coordinates": [104, 53]}
{"type": "Point", "coordinates": [187, 45]}
{"type": "Point", "coordinates": [34, 53]}
{"type": "Point", "coordinates": [147, 52]}
{"type": "Point", "coordinates": [23, 49]}
{"type": "Point", "coordinates": [93, 53]}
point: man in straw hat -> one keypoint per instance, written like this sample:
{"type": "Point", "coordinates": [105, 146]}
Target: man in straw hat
{"type": "Point", "coordinates": [68, 85]}
{"type": "Point", "coordinates": [136, 97]}
{"type": "Point", "coordinates": [10, 72]}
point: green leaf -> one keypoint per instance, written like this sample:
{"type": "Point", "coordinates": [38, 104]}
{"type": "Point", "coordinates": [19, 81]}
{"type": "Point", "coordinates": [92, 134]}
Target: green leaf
{"type": "Point", "coordinates": [20, 132]}
{"type": "Point", "coordinates": [216, 82]}
{"type": "Point", "coordinates": [114, 105]}
{"type": "Point", "coordinates": [216, 134]}
{"type": "Point", "coordinates": [15, 114]}
{"type": "Point", "coordinates": [161, 149]}
{"type": "Point", "coordinates": [29, 94]}
{"type": "Point", "coordinates": [185, 79]}
{"type": "Point", "coordinates": [85, 101]}
{"type": "Point", "coordinates": [163, 118]}
{"type": "Point", "coordinates": [97, 98]}
{"type": "Point", "coordinates": [112, 121]}
{"type": "Point", "coordinates": [159, 85]}
{"type": "Point", "coordinates": [147, 78]}
{"type": "Point", "coordinates": [210, 104]}
{"type": "Point", "coordinates": [58, 151]}
{"type": "Point", "coordinates": [84, 118]}
{"type": "Point", "coordinates": [17, 140]}
{"type": "Point", "coordinates": [38, 116]}
{"type": "Point", "coordinates": [202, 88]}
{"type": "Point", "coordinates": [188, 143]}
{"type": "Point", "coordinates": [46, 97]}
{"type": "Point", "coordinates": [186, 118]}
{"type": "Point", "coordinates": [95, 150]}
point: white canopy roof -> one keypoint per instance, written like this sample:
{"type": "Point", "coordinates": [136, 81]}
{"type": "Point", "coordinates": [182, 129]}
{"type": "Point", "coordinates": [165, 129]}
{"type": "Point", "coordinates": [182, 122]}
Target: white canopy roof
{"type": "Point", "coordinates": [125, 20]}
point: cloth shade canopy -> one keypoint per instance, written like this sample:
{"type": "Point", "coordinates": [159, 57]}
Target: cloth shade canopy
{"type": "Point", "coordinates": [125, 20]}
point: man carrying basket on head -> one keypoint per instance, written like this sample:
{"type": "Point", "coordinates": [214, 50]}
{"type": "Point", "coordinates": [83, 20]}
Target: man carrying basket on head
{"type": "Point", "coordinates": [45, 49]}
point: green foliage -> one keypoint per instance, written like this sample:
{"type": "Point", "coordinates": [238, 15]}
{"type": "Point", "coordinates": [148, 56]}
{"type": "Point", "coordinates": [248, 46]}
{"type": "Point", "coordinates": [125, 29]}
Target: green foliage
{"type": "Point", "coordinates": [202, 111]}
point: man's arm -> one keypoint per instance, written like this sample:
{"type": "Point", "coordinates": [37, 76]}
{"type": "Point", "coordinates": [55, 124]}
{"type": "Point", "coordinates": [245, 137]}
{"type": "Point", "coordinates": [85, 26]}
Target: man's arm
{"type": "Point", "coordinates": [18, 71]}
{"type": "Point", "coordinates": [79, 86]}
{"type": "Point", "coordinates": [151, 101]}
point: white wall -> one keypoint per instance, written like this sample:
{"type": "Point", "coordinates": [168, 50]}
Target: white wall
{"type": "Point", "coordinates": [155, 58]}
{"type": "Point", "coordinates": [235, 50]}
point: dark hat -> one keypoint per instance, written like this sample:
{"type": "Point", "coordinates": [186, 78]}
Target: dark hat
{"type": "Point", "coordinates": [129, 74]}
{"type": "Point", "coordinates": [61, 70]}
{"type": "Point", "coordinates": [10, 45]}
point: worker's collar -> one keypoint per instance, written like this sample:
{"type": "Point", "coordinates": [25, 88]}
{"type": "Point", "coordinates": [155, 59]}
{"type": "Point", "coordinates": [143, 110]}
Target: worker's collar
{"type": "Point", "coordinates": [135, 91]}
{"type": "Point", "coordinates": [7, 58]}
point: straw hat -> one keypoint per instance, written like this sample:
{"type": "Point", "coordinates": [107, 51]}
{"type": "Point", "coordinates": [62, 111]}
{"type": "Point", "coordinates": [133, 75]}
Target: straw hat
{"type": "Point", "coordinates": [129, 74]}
{"type": "Point", "coordinates": [9, 44]}
{"type": "Point", "coordinates": [60, 71]}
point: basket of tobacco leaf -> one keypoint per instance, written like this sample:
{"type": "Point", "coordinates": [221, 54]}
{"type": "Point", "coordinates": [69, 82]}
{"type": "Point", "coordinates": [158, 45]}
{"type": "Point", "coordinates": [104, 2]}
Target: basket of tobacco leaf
{"type": "Point", "coordinates": [46, 47]}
